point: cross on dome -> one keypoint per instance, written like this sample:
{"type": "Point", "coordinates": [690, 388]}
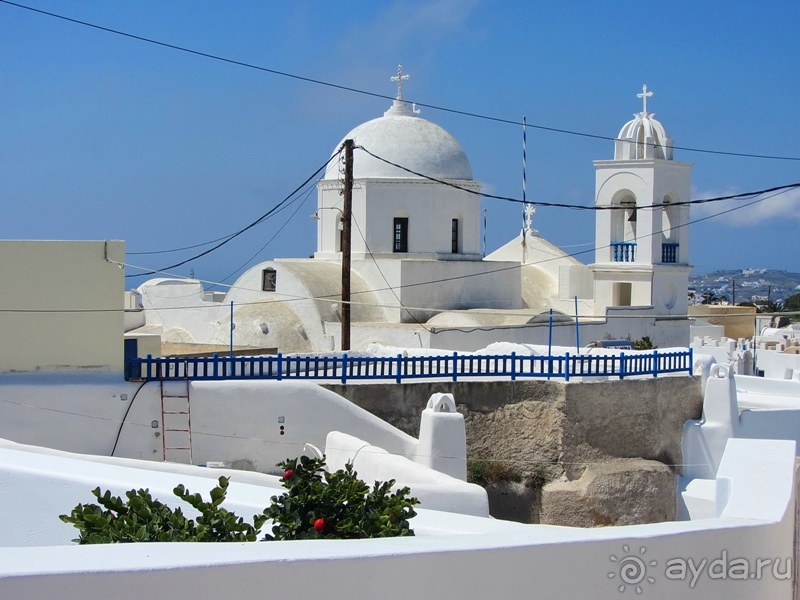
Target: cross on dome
{"type": "Point", "coordinates": [644, 96]}
{"type": "Point", "coordinates": [399, 78]}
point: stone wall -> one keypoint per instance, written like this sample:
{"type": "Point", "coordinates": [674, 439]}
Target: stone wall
{"type": "Point", "coordinates": [557, 431]}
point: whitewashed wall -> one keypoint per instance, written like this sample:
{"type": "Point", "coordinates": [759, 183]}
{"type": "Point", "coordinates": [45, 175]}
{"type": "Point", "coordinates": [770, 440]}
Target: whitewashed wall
{"type": "Point", "coordinates": [665, 334]}
{"type": "Point", "coordinates": [453, 556]}
{"type": "Point", "coordinates": [249, 425]}
{"type": "Point", "coordinates": [777, 365]}
{"type": "Point", "coordinates": [734, 407]}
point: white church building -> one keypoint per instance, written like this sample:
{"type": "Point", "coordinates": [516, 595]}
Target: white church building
{"type": "Point", "coordinates": [418, 276]}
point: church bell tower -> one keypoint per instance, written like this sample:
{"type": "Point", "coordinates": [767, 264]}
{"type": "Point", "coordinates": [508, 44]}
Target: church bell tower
{"type": "Point", "coordinates": [642, 225]}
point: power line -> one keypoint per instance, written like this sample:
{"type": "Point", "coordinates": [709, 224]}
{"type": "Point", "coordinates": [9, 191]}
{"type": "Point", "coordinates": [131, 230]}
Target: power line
{"type": "Point", "coordinates": [386, 281]}
{"type": "Point", "coordinates": [200, 245]}
{"type": "Point", "coordinates": [280, 207]}
{"type": "Point", "coordinates": [575, 206]}
{"type": "Point", "coordinates": [345, 88]}
{"type": "Point", "coordinates": [444, 280]}
{"type": "Point", "coordinates": [171, 250]}
{"type": "Point", "coordinates": [269, 241]}
{"type": "Point", "coordinates": [776, 191]}
{"type": "Point", "coordinates": [334, 299]}
{"type": "Point", "coordinates": [275, 209]}
{"type": "Point", "coordinates": [581, 252]}
{"type": "Point", "coordinates": [284, 444]}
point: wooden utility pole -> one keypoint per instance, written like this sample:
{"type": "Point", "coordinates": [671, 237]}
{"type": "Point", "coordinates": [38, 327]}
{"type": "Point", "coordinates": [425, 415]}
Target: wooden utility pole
{"type": "Point", "coordinates": [346, 221]}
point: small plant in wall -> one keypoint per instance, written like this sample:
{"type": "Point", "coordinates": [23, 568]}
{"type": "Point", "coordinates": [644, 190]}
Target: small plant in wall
{"type": "Point", "coordinates": [644, 344]}
{"type": "Point", "coordinates": [487, 471]}
{"type": "Point", "coordinates": [317, 504]}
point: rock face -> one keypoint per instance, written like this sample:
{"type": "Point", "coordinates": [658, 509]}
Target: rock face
{"type": "Point", "coordinates": [617, 492]}
{"type": "Point", "coordinates": [604, 446]}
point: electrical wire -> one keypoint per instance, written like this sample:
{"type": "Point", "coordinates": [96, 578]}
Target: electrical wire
{"type": "Point", "coordinates": [171, 250]}
{"type": "Point", "coordinates": [279, 206]}
{"type": "Point", "coordinates": [269, 241]}
{"type": "Point", "coordinates": [345, 88]}
{"type": "Point", "coordinates": [125, 416]}
{"type": "Point", "coordinates": [334, 298]}
{"type": "Point", "coordinates": [576, 206]}
{"type": "Point", "coordinates": [274, 210]}
{"type": "Point", "coordinates": [287, 444]}
{"type": "Point", "coordinates": [386, 281]}
{"type": "Point", "coordinates": [519, 266]}
{"type": "Point", "coordinates": [287, 298]}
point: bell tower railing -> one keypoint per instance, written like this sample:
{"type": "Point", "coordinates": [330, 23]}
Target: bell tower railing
{"type": "Point", "coordinates": [624, 251]}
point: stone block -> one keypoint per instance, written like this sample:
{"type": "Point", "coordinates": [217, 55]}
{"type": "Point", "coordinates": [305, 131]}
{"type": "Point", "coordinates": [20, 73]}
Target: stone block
{"type": "Point", "coordinates": [612, 493]}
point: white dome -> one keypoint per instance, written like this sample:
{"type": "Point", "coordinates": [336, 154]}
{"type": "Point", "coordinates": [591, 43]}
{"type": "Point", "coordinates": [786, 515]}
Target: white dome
{"type": "Point", "coordinates": [643, 137]}
{"type": "Point", "coordinates": [402, 137]}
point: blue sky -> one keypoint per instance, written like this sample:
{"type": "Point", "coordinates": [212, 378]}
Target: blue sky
{"type": "Point", "coordinates": [108, 137]}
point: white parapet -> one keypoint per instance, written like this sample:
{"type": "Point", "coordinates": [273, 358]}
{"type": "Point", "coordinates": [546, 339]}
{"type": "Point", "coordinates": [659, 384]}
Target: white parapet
{"type": "Point", "coordinates": [743, 553]}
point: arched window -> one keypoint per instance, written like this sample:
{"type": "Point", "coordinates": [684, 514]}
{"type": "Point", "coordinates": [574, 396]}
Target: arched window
{"type": "Point", "coordinates": [669, 215]}
{"type": "Point", "coordinates": [623, 217]}
{"type": "Point", "coordinates": [669, 225]}
{"type": "Point", "coordinates": [623, 226]}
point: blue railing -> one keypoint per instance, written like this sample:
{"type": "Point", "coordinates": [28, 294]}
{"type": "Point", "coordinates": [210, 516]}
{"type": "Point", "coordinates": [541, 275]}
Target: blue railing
{"type": "Point", "coordinates": [624, 251]}
{"type": "Point", "coordinates": [400, 368]}
{"type": "Point", "coordinates": [669, 252]}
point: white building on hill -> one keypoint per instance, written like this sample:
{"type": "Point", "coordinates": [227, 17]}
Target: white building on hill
{"type": "Point", "coordinates": [418, 276]}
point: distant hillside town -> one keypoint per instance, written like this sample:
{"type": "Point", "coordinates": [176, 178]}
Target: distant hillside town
{"type": "Point", "coordinates": [744, 285]}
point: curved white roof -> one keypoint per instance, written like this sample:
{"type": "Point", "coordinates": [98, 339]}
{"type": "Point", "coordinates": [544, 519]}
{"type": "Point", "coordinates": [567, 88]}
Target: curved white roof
{"type": "Point", "coordinates": [643, 137]}
{"type": "Point", "coordinates": [402, 137]}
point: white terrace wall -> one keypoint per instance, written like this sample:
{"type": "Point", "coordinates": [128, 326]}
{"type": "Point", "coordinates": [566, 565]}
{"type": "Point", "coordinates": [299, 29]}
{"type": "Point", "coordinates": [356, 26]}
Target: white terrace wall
{"type": "Point", "coordinates": [74, 293]}
{"type": "Point", "coordinates": [642, 322]}
{"type": "Point", "coordinates": [738, 406]}
{"type": "Point", "coordinates": [249, 425]}
{"type": "Point", "coordinates": [778, 365]}
{"type": "Point", "coordinates": [452, 556]}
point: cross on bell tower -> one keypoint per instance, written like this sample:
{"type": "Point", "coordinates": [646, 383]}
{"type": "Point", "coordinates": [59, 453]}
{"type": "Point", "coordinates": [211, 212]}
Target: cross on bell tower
{"type": "Point", "coordinates": [399, 78]}
{"type": "Point", "coordinates": [644, 96]}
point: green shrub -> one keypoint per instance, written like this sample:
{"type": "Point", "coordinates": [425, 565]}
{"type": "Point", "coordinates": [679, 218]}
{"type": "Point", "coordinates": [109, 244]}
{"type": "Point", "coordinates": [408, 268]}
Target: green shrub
{"type": "Point", "coordinates": [318, 504]}
{"type": "Point", "coordinates": [644, 344]}
{"type": "Point", "coordinates": [484, 472]}
{"type": "Point", "coordinates": [140, 518]}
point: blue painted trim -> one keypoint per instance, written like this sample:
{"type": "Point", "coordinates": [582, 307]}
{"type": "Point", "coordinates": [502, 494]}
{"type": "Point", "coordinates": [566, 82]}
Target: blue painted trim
{"type": "Point", "coordinates": [399, 368]}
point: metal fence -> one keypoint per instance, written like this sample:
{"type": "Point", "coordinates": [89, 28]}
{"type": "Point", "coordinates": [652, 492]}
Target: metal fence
{"type": "Point", "coordinates": [401, 368]}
